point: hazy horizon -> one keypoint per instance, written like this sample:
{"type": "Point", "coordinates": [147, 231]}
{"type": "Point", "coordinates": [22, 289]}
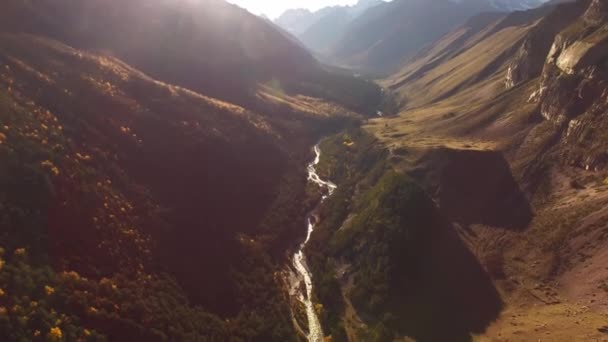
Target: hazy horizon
{"type": "Point", "coordinates": [274, 8]}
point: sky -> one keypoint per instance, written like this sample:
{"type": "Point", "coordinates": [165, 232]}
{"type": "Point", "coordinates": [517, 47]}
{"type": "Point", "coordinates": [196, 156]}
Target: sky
{"type": "Point", "coordinates": [274, 8]}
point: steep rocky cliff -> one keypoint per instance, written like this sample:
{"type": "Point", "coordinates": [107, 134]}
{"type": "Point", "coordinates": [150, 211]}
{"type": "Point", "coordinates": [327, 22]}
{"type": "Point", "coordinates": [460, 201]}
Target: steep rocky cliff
{"type": "Point", "coordinates": [528, 63]}
{"type": "Point", "coordinates": [574, 87]}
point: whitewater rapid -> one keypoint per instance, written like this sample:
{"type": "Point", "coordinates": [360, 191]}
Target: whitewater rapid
{"type": "Point", "coordinates": [299, 259]}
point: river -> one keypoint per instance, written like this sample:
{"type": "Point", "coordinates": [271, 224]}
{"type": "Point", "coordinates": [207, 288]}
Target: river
{"type": "Point", "coordinates": [299, 259]}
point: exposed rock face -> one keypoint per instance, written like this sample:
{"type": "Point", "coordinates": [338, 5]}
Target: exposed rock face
{"type": "Point", "coordinates": [585, 141]}
{"type": "Point", "coordinates": [597, 12]}
{"type": "Point", "coordinates": [573, 91]}
{"type": "Point", "coordinates": [582, 54]}
{"type": "Point", "coordinates": [530, 58]}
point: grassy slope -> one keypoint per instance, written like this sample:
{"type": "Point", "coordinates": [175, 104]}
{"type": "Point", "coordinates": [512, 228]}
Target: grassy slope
{"type": "Point", "coordinates": [387, 262]}
{"type": "Point", "coordinates": [547, 271]}
{"type": "Point", "coordinates": [453, 96]}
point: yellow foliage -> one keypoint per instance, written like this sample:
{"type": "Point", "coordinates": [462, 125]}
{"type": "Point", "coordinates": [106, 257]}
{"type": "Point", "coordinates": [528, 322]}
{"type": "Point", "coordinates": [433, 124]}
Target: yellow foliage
{"type": "Point", "coordinates": [2, 138]}
{"type": "Point", "coordinates": [1, 264]}
{"type": "Point", "coordinates": [83, 157]}
{"type": "Point", "coordinates": [2, 293]}
{"type": "Point", "coordinates": [105, 282]}
{"type": "Point", "coordinates": [36, 333]}
{"type": "Point", "coordinates": [87, 332]}
{"type": "Point", "coordinates": [71, 275]}
{"type": "Point", "coordinates": [606, 181]}
{"type": "Point", "coordinates": [50, 166]}
{"type": "Point", "coordinates": [55, 334]}
{"type": "Point", "coordinates": [49, 290]}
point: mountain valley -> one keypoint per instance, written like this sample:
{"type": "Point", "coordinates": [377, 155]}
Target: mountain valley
{"type": "Point", "coordinates": [153, 171]}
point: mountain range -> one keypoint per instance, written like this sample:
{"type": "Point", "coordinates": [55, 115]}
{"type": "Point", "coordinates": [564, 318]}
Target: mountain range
{"type": "Point", "coordinates": [154, 158]}
{"type": "Point", "coordinates": [380, 39]}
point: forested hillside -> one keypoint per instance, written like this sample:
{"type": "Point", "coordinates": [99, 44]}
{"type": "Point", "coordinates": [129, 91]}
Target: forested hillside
{"type": "Point", "coordinates": [134, 206]}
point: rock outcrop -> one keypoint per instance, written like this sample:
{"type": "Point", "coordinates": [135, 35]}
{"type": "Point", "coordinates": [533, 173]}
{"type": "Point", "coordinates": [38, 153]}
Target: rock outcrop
{"type": "Point", "coordinates": [597, 12]}
{"type": "Point", "coordinates": [529, 60]}
{"type": "Point", "coordinates": [573, 90]}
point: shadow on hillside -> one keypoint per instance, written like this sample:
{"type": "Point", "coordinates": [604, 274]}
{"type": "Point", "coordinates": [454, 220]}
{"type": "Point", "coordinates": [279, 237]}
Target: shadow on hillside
{"type": "Point", "coordinates": [212, 190]}
{"type": "Point", "coordinates": [449, 294]}
{"type": "Point", "coordinates": [477, 187]}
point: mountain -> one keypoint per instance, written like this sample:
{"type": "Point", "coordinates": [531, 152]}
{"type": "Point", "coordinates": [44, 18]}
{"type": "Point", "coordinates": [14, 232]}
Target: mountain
{"type": "Point", "coordinates": [321, 29]}
{"type": "Point", "coordinates": [209, 46]}
{"type": "Point", "coordinates": [487, 191]}
{"type": "Point", "coordinates": [232, 48]}
{"type": "Point", "coordinates": [297, 21]}
{"type": "Point", "coordinates": [152, 169]}
{"type": "Point", "coordinates": [516, 5]}
{"type": "Point", "coordinates": [377, 36]}
{"type": "Point", "coordinates": [386, 36]}
{"type": "Point", "coordinates": [99, 227]}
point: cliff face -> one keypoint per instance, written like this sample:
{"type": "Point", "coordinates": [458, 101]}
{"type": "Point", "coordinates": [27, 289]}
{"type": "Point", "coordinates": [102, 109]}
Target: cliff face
{"type": "Point", "coordinates": [529, 60]}
{"type": "Point", "coordinates": [573, 89]}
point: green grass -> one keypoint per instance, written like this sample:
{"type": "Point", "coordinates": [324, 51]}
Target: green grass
{"type": "Point", "coordinates": [374, 221]}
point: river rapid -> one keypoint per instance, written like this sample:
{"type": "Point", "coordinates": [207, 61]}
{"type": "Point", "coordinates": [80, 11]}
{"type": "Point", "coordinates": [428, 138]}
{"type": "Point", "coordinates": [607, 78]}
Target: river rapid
{"type": "Point", "coordinates": [299, 259]}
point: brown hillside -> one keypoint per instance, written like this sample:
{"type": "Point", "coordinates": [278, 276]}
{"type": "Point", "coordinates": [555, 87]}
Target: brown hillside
{"type": "Point", "coordinates": [530, 89]}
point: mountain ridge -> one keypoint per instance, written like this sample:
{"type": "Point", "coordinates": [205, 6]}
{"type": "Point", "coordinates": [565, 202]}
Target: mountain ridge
{"type": "Point", "coordinates": [500, 123]}
{"type": "Point", "coordinates": [118, 216]}
{"type": "Point", "coordinates": [383, 36]}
